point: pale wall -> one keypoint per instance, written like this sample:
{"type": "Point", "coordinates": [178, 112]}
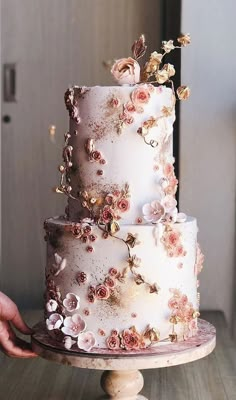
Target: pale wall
{"type": "Point", "coordinates": [208, 142]}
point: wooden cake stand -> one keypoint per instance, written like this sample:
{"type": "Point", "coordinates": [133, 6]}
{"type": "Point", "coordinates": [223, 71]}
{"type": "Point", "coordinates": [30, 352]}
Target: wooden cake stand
{"type": "Point", "coordinates": [121, 379]}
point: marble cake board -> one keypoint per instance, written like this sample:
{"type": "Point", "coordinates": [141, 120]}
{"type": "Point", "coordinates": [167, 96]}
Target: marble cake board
{"type": "Point", "coordinates": [121, 379]}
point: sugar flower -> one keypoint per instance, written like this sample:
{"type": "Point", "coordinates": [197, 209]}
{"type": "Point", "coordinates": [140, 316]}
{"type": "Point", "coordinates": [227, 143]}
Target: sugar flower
{"type": "Point", "coordinates": [153, 212]}
{"type": "Point", "coordinates": [68, 342]}
{"type": "Point", "coordinates": [113, 342]}
{"type": "Point", "coordinates": [73, 326]}
{"type": "Point", "coordinates": [71, 302]}
{"type": "Point", "coordinates": [184, 40]}
{"type": "Point", "coordinates": [86, 341]}
{"type": "Point", "coordinates": [102, 292]}
{"type": "Point", "coordinates": [51, 305]}
{"type": "Point", "coordinates": [126, 71]}
{"type": "Point", "coordinates": [168, 46]}
{"type": "Point", "coordinates": [54, 321]}
{"type": "Point", "coordinates": [141, 94]}
{"type": "Point", "coordinates": [60, 264]}
{"type": "Point", "coordinates": [183, 92]}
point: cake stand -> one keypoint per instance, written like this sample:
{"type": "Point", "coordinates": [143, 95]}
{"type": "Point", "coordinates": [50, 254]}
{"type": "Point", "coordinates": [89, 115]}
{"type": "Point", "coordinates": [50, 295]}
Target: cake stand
{"type": "Point", "coordinates": [121, 379]}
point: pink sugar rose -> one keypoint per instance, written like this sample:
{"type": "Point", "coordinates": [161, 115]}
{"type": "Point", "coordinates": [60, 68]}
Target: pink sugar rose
{"type": "Point", "coordinates": [86, 341]}
{"type": "Point", "coordinates": [113, 342]}
{"type": "Point", "coordinates": [172, 238]}
{"type": "Point", "coordinates": [115, 102]}
{"type": "Point", "coordinates": [113, 271]}
{"type": "Point", "coordinates": [109, 199]}
{"type": "Point", "coordinates": [141, 95]}
{"type": "Point", "coordinates": [107, 214]}
{"type": "Point", "coordinates": [168, 169]}
{"type": "Point", "coordinates": [109, 282]}
{"type": "Point", "coordinates": [126, 118]}
{"type": "Point", "coordinates": [129, 107]}
{"type": "Point", "coordinates": [173, 303]}
{"type": "Point", "coordinates": [130, 340]}
{"type": "Point", "coordinates": [71, 302]}
{"type": "Point", "coordinates": [102, 292]}
{"type": "Point", "coordinates": [123, 205]}
{"type": "Point", "coordinates": [153, 212]}
{"type": "Point", "coordinates": [73, 326]}
{"type": "Point", "coordinates": [54, 321]}
{"type": "Point", "coordinates": [126, 71]}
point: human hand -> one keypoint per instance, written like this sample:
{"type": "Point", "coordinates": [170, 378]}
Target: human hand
{"type": "Point", "coordinates": [10, 344]}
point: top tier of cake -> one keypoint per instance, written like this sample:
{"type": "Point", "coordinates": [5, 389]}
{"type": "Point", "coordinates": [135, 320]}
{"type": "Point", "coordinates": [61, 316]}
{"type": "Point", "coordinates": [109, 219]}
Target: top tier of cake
{"type": "Point", "coordinates": [118, 153]}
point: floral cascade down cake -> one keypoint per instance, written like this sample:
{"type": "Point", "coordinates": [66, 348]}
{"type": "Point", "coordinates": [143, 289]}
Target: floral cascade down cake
{"type": "Point", "coordinates": [122, 264]}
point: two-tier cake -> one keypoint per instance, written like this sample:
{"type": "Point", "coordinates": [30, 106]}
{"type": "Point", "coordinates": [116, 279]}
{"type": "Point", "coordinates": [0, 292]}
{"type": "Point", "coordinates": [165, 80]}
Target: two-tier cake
{"type": "Point", "coordinates": [122, 264]}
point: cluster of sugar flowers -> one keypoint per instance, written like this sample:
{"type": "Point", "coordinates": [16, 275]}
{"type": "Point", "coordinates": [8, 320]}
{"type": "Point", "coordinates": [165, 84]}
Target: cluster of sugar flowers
{"type": "Point", "coordinates": [131, 339]}
{"type": "Point", "coordinates": [199, 260]}
{"type": "Point", "coordinates": [182, 311]}
{"type": "Point", "coordinates": [171, 239]}
{"type": "Point", "coordinates": [163, 210]}
{"type": "Point", "coordinates": [73, 327]}
{"type": "Point", "coordinates": [102, 291]}
{"type": "Point", "coordinates": [128, 70]}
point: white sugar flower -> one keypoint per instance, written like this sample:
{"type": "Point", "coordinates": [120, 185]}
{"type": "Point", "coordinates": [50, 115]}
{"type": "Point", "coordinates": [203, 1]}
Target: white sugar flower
{"type": "Point", "coordinates": [51, 305]}
{"type": "Point", "coordinates": [73, 326]}
{"type": "Point", "coordinates": [54, 321]}
{"type": "Point", "coordinates": [153, 212]}
{"type": "Point", "coordinates": [68, 342]}
{"type": "Point", "coordinates": [169, 203]}
{"type": "Point", "coordinates": [86, 341]}
{"type": "Point", "coordinates": [60, 264]}
{"type": "Point", "coordinates": [71, 302]}
{"type": "Point", "coordinates": [181, 217]}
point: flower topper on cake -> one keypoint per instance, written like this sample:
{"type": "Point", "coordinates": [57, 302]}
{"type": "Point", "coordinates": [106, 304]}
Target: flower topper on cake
{"type": "Point", "coordinates": [128, 70]}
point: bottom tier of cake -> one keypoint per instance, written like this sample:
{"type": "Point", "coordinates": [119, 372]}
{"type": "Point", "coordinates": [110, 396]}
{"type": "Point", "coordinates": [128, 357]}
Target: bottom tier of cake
{"type": "Point", "coordinates": [128, 290]}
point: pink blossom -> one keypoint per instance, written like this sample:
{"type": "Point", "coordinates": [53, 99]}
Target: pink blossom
{"type": "Point", "coordinates": [141, 95]}
{"type": "Point", "coordinates": [113, 342]}
{"type": "Point", "coordinates": [169, 203]}
{"type": "Point", "coordinates": [86, 341]}
{"type": "Point", "coordinates": [95, 156]}
{"type": "Point", "coordinates": [54, 321]}
{"type": "Point", "coordinates": [172, 238]}
{"type": "Point", "coordinates": [71, 302]}
{"type": "Point", "coordinates": [153, 212]}
{"type": "Point", "coordinates": [102, 292]}
{"type": "Point", "coordinates": [173, 303]}
{"type": "Point", "coordinates": [123, 205]}
{"type": "Point", "coordinates": [126, 71]}
{"type": "Point", "coordinates": [51, 305]}
{"type": "Point", "coordinates": [73, 325]}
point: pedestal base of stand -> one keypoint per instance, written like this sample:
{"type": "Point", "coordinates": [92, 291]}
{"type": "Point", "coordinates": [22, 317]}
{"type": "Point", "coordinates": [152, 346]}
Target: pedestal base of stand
{"type": "Point", "coordinates": [123, 385]}
{"type": "Point", "coordinates": [122, 379]}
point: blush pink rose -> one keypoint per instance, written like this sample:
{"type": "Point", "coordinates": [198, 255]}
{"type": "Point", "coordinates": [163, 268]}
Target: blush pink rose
{"type": "Point", "coordinates": [126, 118]}
{"type": "Point", "coordinates": [113, 342]}
{"type": "Point", "coordinates": [130, 340]}
{"type": "Point", "coordinates": [130, 107]}
{"type": "Point", "coordinates": [109, 282]}
{"type": "Point", "coordinates": [107, 214]}
{"type": "Point", "coordinates": [126, 71]}
{"type": "Point", "coordinates": [102, 292]}
{"type": "Point", "coordinates": [141, 95]}
{"type": "Point", "coordinates": [123, 205]}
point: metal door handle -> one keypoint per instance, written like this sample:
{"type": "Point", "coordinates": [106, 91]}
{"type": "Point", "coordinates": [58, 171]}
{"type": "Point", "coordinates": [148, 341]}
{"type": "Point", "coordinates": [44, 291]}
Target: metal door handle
{"type": "Point", "coordinates": [9, 82]}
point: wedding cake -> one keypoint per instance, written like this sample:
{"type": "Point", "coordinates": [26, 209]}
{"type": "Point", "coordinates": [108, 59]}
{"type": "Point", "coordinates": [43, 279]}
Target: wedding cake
{"type": "Point", "coordinates": [122, 263]}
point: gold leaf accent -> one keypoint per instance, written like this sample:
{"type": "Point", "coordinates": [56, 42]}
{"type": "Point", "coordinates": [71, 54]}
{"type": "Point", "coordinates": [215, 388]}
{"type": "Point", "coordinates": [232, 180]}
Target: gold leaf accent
{"type": "Point", "coordinates": [139, 48]}
{"type": "Point", "coordinates": [113, 227]}
{"type": "Point", "coordinates": [154, 288]}
{"type": "Point", "coordinates": [183, 92]}
{"type": "Point", "coordinates": [184, 40]}
{"type": "Point", "coordinates": [173, 337]}
{"type": "Point", "coordinates": [152, 334]}
{"type": "Point", "coordinates": [196, 314]}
